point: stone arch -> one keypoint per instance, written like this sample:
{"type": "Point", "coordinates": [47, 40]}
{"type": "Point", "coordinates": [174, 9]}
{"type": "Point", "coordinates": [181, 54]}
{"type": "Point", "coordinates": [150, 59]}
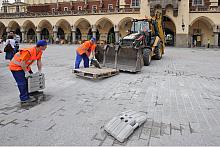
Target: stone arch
{"type": "Point", "coordinates": [14, 26]}
{"type": "Point", "coordinates": [83, 26]}
{"type": "Point", "coordinates": [154, 8]}
{"type": "Point", "coordinates": [65, 25]}
{"type": "Point", "coordinates": [45, 24]}
{"type": "Point", "coordinates": [64, 30]}
{"type": "Point", "coordinates": [82, 21]}
{"type": "Point", "coordinates": [157, 6]}
{"type": "Point", "coordinates": [200, 31]}
{"type": "Point", "coordinates": [169, 6]}
{"type": "Point", "coordinates": [124, 26]}
{"type": "Point", "coordinates": [30, 31]}
{"type": "Point", "coordinates": [28, 24]}
{"type": "Point", "coordinates": [105, 26]}
{"type": "Point", "coordinates": [46, 30]}
{"type": "Point", "coordinates": [170, 31]}
{"type": "Point", "coordinates": [203, 18]}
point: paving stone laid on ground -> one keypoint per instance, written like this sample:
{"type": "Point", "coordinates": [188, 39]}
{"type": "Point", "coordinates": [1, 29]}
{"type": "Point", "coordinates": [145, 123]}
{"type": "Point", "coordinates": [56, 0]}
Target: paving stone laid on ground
{"type": "Point", "coordinates": [180, 94]}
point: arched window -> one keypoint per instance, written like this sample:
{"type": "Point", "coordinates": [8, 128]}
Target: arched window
{"type": "Point", "coordinates": [135, 3]}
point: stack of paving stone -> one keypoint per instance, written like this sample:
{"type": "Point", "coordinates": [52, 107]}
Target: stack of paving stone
{"type": "Point", "coordinates": [36, 82]}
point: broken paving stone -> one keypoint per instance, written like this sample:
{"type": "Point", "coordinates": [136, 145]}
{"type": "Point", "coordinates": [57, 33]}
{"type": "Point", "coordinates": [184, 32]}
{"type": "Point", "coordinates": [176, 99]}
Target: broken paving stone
{"type": "Point", "coordinates": [122, 126]}
{"type": "Point", "coordinates": [108, 141]}
{"type": "Point", "coordinates": [145, 134]}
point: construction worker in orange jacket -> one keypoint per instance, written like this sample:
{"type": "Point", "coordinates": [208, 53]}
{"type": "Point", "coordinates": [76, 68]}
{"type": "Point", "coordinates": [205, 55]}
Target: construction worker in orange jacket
{"type": "Point", "coordinates": [84, 51]}
{"type": "Point", "coordinates": [20, 67]}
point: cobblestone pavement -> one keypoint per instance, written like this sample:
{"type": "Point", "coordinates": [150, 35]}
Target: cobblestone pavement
{"type": "Point", "coordinates": [180, 94]}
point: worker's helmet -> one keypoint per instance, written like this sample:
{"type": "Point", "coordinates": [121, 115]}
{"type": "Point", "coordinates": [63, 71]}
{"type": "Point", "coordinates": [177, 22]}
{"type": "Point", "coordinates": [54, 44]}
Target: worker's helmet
{"type": "Point", "coordinates": [41, 43]}
{"type": "Point", "coordinates": [93, 39]}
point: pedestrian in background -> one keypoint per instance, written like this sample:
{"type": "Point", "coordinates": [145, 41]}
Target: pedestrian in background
{"type": "Point", "coordinates": [195, 43]}
{"type": "Point", "coordinates": [208, 43]}
{"type": "Point", "coordinates": [17, 39]}
{"type": "Point", "coordinates": [9, 48]}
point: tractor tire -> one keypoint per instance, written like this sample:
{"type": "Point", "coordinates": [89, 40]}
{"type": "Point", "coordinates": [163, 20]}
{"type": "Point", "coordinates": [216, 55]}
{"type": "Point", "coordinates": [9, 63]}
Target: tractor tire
{"type": "Point", "coordinates": [147, 56]}
{"type": "Point", "coordinates": [158, 52]}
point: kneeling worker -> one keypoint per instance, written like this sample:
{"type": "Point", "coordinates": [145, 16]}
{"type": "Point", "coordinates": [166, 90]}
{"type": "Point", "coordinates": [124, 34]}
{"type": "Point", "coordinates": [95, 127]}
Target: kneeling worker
{"type": "Point", "coordinates": [20, 67]}
{"type": "Point", "coordinates": [84, 51]}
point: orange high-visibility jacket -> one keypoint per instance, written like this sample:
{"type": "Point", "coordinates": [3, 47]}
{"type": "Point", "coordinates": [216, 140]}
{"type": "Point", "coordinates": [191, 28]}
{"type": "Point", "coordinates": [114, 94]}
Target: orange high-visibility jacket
{"type": "Point", "coordinates": [87, 47]}
{"type": "Point", "coordinates": [15, 63]}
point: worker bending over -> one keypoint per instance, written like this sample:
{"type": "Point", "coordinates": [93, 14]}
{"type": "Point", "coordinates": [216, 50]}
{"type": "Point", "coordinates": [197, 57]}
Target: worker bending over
{"type": "Point", "coordinates": [84, 51]}
{"type": "Point", "coordinates": [20, 67]}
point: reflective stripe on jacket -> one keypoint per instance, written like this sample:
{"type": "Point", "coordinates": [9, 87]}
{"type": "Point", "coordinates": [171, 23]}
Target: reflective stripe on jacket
{"type": "Point", "coordinates": [15, 63]}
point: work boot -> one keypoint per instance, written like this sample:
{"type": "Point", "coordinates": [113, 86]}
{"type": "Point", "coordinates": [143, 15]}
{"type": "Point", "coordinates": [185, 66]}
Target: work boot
{"type": "Point", "coordinates": [35, 93]}
{"type": "Point", "coordinates": [28, 102]}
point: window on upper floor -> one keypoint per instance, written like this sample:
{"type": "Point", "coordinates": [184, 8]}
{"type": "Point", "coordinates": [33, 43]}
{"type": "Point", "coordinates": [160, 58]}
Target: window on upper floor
{"type": "Point", "coordinates": [135, 3]}
{"type": "Point", "coordinates": [17, 9]}
{"type": "Point", "coordinates": [198, 2]}
{"type": "Point", "coordinates": [110, 6]}
{"type": "Point", "coordinates": [65, 8]}
{"type": "Point", "coordinates": [80, 8]}
{"type": "Point", "coordinates": [5, 9]}
{"type": "Point", "coordinates": [94, 7]}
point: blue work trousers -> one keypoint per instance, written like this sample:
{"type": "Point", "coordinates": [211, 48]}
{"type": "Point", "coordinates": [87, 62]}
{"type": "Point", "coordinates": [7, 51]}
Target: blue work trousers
{"type": "Point", "coordinates": [79, 59]}
{"type": "Point", "coordinates": [22, 84]}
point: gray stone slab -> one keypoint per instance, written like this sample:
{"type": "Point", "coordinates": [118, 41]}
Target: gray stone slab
{"type": "Point", "coordinates": [124, 124]}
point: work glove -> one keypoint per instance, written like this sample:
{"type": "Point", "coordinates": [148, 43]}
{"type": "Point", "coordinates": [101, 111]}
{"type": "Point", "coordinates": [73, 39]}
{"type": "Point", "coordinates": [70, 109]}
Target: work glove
{"type": "Point", "coordinates": [95, 62]}
{"type": "Point", "coordinates": [27, 74]}
{"type": "Point", "coordinates": [91, 57]}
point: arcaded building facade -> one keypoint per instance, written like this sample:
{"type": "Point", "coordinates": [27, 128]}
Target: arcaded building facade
{"type": "Point", "coordinates": [186, 22]}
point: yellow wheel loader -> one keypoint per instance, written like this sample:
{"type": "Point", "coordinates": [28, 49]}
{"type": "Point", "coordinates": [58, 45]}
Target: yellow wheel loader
{"type": "Point", "coordinates": [145, 41]}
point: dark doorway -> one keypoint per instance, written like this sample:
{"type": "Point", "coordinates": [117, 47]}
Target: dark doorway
{"type": "Point", "coordinates": [169, 28]}
{"type": "Point", "coordinates": [89, 35]}
{"type": "Point", "coordinates": [111, 36]}
{"type": "Point", "coordinates": [169, 37]}
{"type": "Point", "coordinates": [97, 35]}
{"type": "Point", "coordinates": [60, 33]}
{"type": "Point", "coordinates": [219, 39]}
{"type": "Point", "coordinates": [31, 35]}
{"type": "Point", "coordinates": [4, 34]}
{"type": "Point", "coordinates": [45, 34]}
{"type": "Point", "coordinates": [78, 34]}
{"type": "Point", "coordinates": [197, 41]}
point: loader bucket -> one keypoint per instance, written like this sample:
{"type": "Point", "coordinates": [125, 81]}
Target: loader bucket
{"type": "Point", "coordinates": [121, 58]}
{"type": "Point", "coordinates": [129, 59]}
{"type": "Point", "coordinates": [110, 57]}
{"type": "Point", "coordinates": [99, 53]}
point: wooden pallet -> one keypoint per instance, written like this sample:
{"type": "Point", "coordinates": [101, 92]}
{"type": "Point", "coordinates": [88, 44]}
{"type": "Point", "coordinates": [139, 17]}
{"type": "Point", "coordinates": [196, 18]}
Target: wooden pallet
{"type": "Point", "coordinates": [95, 73]}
